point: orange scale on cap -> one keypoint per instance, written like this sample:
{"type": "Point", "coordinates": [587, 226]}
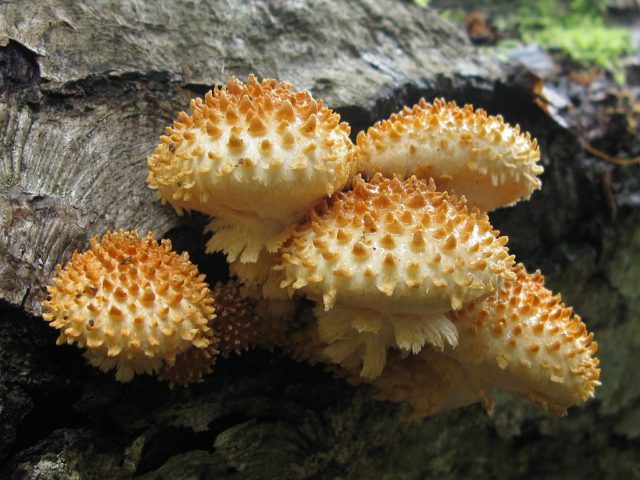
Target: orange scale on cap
{"type": "Point", "coordinates": [544, 355]}
{"type": "Point", "coordinates": [257, 156]}
{"type": "Point", "coordinates": [466, 151]}
{"type": "Point", "coordinates": [93, 303]}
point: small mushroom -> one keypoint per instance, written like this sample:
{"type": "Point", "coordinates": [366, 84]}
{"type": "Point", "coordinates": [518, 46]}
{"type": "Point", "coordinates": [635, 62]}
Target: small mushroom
{"type": "Point", "coordinates": [241, 324]}
{"type": "Point", "coordinates": [132, 303]}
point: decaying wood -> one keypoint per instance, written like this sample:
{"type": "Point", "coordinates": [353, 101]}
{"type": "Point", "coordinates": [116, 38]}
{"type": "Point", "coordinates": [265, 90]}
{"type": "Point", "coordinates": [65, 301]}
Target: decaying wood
{"type": "Point", "coordinates": [86, 91]}
{"type": "Point", "coordinates": [106, 82]}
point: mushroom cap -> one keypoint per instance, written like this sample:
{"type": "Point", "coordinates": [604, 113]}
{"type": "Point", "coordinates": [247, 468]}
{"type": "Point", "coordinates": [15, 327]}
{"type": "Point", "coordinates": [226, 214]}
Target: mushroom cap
{"type": "Point", "coordinates": [190, 366]}
{"type": "Point", "coordinates": [237, 322]}
{"type": "Point", "coordinates": [524, 340]}
{"type": "Point", "coordinates": [255, 155]}
{"type": "Point", "coordinates": [133, 303]}
{"type": "Point", "coordinates": [465, 150]}
{"type": "Point", "coordinates": [397, 248]}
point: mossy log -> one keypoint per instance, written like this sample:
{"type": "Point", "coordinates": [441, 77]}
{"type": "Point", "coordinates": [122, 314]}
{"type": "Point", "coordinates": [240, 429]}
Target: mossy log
{"type": "Point", "coordinates": [87, 90]}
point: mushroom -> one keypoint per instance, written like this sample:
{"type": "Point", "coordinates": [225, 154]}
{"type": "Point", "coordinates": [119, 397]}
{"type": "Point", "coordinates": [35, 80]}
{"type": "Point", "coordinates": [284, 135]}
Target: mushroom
{"type": "Point", "coordinates": [236, 328]}
{"type": "Point", "coordinates": [241, 324]}
{"type": "Point", "coordinates": [257, 157]}
{"type": "Point", "coordinates": [237, 322]}
{"type": "Point", "coordinates": [526, 341]}
{"type": "Point", "coordinates": [465, 150]}
{"type": "Point", "coordinates": [429, 383]}
{"type": "Point", "coordinates": [132, 302]}
{"type": "Point", "coordinates": [521, 339]}
{"type": "Point", "coordinates": [385, 261]}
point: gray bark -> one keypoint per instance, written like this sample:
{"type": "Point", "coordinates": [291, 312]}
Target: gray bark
{"type": "Point", "coordinates": [86, 92]}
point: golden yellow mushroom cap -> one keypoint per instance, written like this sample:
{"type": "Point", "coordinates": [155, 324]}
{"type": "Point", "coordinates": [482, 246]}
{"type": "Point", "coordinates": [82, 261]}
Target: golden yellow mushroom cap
{"type": "Point", "coordinates": [465, 150]}
{"type": "Point", "coordinates": [397, 247]}
{"type": "Point", "coordinates": [522, 340]}
{"type": "Point", "coordinates": [526, 341]}
{"type": "Point", "coordinates": [255, 155]}
{"type": "Point", "coordinates": [132, 302]}
{"type": "Point", "coordinates": [387, 260]}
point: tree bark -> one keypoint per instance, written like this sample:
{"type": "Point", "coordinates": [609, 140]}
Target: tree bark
{"type": "Point", "coordinates": [87, 90]}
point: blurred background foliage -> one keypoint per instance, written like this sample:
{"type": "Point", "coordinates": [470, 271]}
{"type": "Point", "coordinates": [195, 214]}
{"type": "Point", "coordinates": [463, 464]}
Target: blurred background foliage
{"type": "Point", "coordinates": [586, 32]}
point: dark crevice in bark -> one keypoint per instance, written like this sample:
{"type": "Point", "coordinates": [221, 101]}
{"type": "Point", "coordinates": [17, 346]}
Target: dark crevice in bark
{"type": "Point", "coordinates": [19, 69]}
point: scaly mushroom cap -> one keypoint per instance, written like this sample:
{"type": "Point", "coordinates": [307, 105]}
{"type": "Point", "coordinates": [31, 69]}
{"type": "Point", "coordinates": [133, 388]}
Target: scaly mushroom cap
{"type": "Point", "coordinates": [257, 156]}
{"type": "Point", "coordinates": [388, 259]}
{"type": "Point", "coordinates": [190, 366]}
{"type": "Point", "coordinates": [237, 321]}
{"type": "Point", "coordinates": [397, 247]}
{"type": "Point", "coordinates": [465, 150]}
{"type": "Point", "coordinates": [429, 382]}
{"type": "Point", "coordinates": [525, 341]}
{"type": "Point", "coordinates": [132, 303]}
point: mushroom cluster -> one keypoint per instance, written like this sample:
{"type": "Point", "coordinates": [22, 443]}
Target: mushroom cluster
{"type": "Point", "coordinates": [415, 292]}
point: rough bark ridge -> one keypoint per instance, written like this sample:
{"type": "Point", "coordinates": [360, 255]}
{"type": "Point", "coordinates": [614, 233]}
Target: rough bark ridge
{"type": "Point", "coordinates": [85, 93]}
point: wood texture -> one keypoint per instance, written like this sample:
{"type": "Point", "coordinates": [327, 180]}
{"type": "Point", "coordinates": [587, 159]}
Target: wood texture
{"type": "Point", "coordinates": [99, 84]}
{"type": "Point", "coordinates": [85, 92]}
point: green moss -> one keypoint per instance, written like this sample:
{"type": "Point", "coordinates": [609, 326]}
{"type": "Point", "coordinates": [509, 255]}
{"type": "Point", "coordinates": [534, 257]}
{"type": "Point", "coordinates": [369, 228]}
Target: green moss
{"type": "Point", "coordinates": [578, 29]}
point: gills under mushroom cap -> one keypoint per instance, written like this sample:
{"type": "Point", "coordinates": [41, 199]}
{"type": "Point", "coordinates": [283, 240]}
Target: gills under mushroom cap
{"type": "Point", "coordinates": [132, 303]}
{"type": "Point", "coordinates": [257, 156]}
{"type": "Point", "coordinates": [388, 259]}
{"type": "Point", "coordinates": [465, 150]}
